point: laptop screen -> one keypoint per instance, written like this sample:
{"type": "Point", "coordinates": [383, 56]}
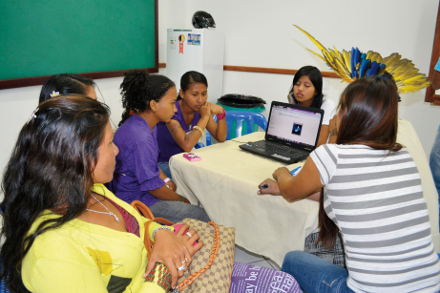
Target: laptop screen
{"type": "Point", "coordinates": [294, 124]}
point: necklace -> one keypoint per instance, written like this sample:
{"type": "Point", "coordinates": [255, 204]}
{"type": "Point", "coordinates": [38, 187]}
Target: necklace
{"type": "Point", "coordinates": [109, 213]}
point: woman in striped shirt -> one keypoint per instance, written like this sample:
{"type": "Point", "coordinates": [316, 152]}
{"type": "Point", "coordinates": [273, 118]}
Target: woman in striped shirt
{"type": "Point", "coordinates": [372, 195]}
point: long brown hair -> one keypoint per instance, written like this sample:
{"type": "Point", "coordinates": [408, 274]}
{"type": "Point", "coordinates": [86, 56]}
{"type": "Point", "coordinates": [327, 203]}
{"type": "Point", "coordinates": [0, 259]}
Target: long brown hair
{"type": "Point", "coordinates": [369, 117]}
{"type": "Point", "coordinates": [50, 169]}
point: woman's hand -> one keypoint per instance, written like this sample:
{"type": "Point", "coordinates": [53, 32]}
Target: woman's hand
{"type": "Point", "coordinates": [205, 110]}
{"type": "Point", "coordinates": [189, 238]}
{"type": "Point", "coordinates": [170, 250]}
{"type": "Point", "coordinates": [185, 200]}
{"type": "Point", "coordinates": [279, 171]}
{"type": "Point", "coordinates": [216, 109]}
{"type": "Point", "coordinates": [272, 187]}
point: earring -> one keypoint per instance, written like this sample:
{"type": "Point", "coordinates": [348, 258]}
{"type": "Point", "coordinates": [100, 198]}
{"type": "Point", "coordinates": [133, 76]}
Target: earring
{"type": "Point", "coordinates": [154, 111]}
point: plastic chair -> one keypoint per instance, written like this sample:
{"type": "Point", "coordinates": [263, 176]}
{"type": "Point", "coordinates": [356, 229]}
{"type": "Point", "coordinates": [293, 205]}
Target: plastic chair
{"type": "Point", "coordinates": [248, 119]}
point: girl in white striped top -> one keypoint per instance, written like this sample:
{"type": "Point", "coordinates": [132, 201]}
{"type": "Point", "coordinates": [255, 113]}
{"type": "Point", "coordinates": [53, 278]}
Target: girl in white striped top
{"type": "Point", "coordinates": [372, 194]}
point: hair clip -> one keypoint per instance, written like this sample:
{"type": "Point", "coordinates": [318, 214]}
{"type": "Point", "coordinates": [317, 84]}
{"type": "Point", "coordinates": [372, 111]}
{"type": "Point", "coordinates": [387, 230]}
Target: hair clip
{"type": "Point", "coordinates": [54, 94]}
{"type": "Point", "coordinates": [33, 115]}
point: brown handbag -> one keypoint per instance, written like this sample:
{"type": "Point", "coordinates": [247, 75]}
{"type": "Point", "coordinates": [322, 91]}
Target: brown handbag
{"type": "Point", "coordinates": [212, 264]}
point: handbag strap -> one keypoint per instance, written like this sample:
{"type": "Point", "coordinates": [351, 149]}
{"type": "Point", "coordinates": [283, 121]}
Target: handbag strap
{"type": "Point", "coordinates": [142, 209]}
{"type": "Point", "coordinates": [148, 244]}
{"type": "Point", "coordinates": [214, 251]}
{"type": "Point", "coordinates": [146, 212]}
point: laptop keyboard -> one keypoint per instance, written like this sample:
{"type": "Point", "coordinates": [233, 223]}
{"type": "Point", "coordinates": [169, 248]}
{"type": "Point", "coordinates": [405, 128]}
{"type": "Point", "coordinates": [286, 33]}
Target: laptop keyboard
{"type": "Point", "coordinates": [279, 149]}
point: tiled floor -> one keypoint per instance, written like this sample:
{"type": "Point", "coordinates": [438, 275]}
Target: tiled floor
{"type": "Point", "coordinates": [244, 256]}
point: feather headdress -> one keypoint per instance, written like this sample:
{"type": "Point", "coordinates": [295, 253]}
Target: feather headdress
{"type": "Point", "coordinates": [351, 65]}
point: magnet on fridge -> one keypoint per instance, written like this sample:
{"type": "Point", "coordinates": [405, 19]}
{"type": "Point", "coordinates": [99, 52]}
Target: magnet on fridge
{"type": "Point", "coordinates": [181, 40]}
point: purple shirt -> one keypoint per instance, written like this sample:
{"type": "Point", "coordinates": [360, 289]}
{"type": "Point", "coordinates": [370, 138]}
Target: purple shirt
{"type": "Point", "coordinates": [136, 170]}
{"type": "Point", "coordinates": [167, 145]}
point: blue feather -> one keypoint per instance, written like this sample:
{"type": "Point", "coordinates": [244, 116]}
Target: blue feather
{"type": "Point", "coordinates": [353, 64]}
{"type": "Point", "coordinates": [355, 59]}
{"type": "Point", "coordinates": [374, 68]}
{"type": "Point", "coordinates": [363, 67]}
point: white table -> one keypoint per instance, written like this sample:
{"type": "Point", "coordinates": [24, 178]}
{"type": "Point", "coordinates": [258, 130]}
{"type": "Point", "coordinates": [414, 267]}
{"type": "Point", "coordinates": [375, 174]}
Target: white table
{"type": "Point", "coordinates": [226, 182]}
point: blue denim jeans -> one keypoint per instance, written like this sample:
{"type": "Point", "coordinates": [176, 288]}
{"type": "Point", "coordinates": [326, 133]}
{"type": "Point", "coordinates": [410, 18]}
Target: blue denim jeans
{"type": "Point", "coordinates": [314, 274]}
{"type": "Point", "coordinates": [165, 167]}
{"type": "Point", "coordinates": [176, 211]}
{"type": "Point", "coordinates": [434, 162]}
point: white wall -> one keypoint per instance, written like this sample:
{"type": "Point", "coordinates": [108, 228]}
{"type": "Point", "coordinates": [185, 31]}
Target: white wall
{"type": "Point", "coordinates": [259, 33]}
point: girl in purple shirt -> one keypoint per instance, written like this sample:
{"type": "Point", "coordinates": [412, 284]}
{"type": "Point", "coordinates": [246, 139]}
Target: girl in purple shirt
{"type": "Point", "coordinates": [149, 99]}
{"type": "Point", "coordinates": [193, 116]}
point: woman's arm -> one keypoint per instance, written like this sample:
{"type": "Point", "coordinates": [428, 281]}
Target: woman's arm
{"type": "Point", "coordinates": [166, 193]}
{"type": "Point", "coordinates": [334, 128]}
{"type": "Point", "coordinates": [323, 136]}
{"type": "Point", "coordinates": [170, 183]}
{"type": "Point", "coordinates": [187, 141]}
{"type": "Point", "coordinates": [218, 130]}
{"type": "Point", "coordinates": [305, 183]}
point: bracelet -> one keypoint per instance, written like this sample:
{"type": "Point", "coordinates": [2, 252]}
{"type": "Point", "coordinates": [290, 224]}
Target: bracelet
{"type": "Point", "coordinates": [198, 128]}
{"type": "Point", "coordinates": [222, 115]}
{"type": "Point", "coordinates": [166, 179]}
{"type": "Point", "coordinates": [161, 276]}
{"type": "Point", "coordinates": [180, 199]}
{"type": "Point", "coordinates": [161, 228]}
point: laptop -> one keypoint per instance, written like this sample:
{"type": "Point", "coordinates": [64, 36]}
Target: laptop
{"type": "Point", "coordinates": [292, 133]}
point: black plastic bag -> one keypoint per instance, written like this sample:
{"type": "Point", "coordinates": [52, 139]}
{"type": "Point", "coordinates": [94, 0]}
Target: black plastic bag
{"type": "Point", "coordinates": [241, 101]}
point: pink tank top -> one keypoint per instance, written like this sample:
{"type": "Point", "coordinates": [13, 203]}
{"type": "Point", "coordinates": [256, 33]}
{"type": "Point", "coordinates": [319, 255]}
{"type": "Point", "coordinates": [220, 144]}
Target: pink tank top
{"type": "Point", "coordinates": [130, 221]}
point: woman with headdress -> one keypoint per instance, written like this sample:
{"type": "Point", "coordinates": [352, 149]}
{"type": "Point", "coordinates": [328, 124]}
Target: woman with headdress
{"type": "Point", "coordinates": [372, 195]}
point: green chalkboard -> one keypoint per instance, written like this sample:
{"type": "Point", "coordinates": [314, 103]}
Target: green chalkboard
{"type": "Point", "coordinates": [96, 38]}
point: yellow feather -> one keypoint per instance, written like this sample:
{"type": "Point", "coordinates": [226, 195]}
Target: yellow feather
{"type": "Point", "coordinates": [347, 59]}
{"type": "Point", "coordinates": [390, 60]}
{"type": "Point", "coordinates": [374, 56]}
{"type": "Point", "coordinates": [415, 79]}
{"type": "Point", "coordinates": [407, 77]}
{"type": "Point", "coordinates": [317, 55]}
{"type": "Point", "coordinates": [413, 89]}
{"type": "Point", "coordinates": [408, 74]}
{"type": "Point", "coordinates": [342, 71]}
{"type": "Point", "coordinates": [318, 44]}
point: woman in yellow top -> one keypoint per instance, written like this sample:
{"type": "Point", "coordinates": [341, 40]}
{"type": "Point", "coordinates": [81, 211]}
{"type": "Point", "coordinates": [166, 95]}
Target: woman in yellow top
{"type": "Point", "coordinates": [64, 231]}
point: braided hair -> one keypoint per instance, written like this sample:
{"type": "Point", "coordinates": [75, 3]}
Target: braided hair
{"type": "Point", "coordinates": [139, 88]}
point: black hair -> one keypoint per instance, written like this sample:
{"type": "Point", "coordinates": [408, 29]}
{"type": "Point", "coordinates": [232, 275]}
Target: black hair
{"type": "Point", "coordinates": [50, 168]}
{"type": "Point", "coordinates": [190, 78]}
{"type": "Point", "coordinates": [315, 77]}
{"type": "Point", "coordinates": [139, 88]}
{"type": "Point", "coordinates": [65, 84]}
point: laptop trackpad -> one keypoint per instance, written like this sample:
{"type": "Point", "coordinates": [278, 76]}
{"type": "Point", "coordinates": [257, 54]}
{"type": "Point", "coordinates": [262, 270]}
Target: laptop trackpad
{"type": "Point", "coordinates": [280, 157]}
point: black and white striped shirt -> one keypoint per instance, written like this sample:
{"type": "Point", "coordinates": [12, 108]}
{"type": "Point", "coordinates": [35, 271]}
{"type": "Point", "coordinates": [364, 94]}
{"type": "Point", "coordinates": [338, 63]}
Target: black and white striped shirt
{"type": "Point", "coordinates": [376, 199]}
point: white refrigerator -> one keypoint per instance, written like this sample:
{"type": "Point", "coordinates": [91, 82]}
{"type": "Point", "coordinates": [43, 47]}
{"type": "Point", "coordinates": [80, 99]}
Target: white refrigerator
{"type": "Point", "coordinates": [200, 50]}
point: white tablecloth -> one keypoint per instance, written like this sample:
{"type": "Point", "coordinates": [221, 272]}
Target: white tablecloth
{"type": "Point", "coordinates": [226, 180]}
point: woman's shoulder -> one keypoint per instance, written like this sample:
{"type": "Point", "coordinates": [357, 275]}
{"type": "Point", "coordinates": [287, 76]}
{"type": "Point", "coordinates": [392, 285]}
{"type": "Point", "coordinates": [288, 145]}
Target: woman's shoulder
{"type": "Point", "coordinates": [328, 104]}
{"type": "Point", "coordinates": [54, 243]}
{"type": "Point", "coordinates": [133, 130]}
